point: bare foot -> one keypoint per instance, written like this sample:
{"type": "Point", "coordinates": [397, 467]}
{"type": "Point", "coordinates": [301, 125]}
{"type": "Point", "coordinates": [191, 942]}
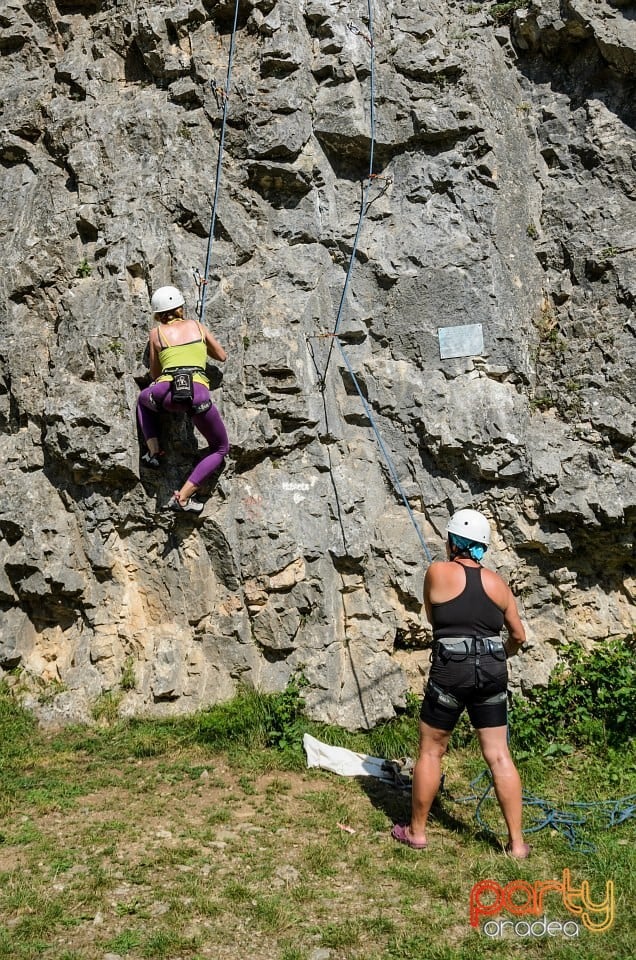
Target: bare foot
{"type": "Point", "coordinates": [520, 851]}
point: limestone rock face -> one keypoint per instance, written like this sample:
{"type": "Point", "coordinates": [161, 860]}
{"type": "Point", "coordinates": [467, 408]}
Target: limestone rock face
{"type": "Point", "coordinates": [503, 195]}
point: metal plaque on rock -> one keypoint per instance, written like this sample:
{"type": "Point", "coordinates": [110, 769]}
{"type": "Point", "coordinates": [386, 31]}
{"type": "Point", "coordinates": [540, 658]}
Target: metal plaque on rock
{"type": "Point", "coordinates": [462, 341]}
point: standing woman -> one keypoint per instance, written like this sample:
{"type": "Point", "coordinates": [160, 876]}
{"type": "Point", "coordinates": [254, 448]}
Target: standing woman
{"type": "Point", "coordinates": [179, 349]}
{"type": "Point", "coordinates": [467, 606]}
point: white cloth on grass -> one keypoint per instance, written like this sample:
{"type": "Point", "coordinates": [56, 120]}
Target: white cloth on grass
{"type": "Point", "coordinates": [343, 761]}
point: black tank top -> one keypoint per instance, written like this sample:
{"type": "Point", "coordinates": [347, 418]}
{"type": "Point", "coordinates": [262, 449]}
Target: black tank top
{"type": "Point", "coordinates": [471, 614]}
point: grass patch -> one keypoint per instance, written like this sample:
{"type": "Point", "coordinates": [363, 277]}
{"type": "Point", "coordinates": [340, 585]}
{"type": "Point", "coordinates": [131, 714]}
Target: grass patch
{"type": "Point", "coordinates": [208, 837]}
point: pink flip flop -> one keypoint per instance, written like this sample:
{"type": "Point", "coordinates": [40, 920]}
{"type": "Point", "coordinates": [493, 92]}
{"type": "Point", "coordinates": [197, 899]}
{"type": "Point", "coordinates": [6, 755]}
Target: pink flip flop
{"type": "Point", "coordinates": [400, 833]}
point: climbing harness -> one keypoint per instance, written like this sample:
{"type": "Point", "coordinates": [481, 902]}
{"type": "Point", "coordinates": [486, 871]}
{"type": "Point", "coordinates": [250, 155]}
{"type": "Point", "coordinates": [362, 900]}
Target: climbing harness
{"type": "Point", "coordinates": [222, 95]}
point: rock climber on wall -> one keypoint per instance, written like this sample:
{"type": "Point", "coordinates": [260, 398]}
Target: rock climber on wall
{"type": "Point", "coordinates": [178, 350]}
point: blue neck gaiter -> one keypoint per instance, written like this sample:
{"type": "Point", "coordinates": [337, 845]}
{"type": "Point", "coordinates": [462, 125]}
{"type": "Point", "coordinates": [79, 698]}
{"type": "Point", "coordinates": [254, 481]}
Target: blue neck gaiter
{"type": "Point", "coordinates": [475, 550]}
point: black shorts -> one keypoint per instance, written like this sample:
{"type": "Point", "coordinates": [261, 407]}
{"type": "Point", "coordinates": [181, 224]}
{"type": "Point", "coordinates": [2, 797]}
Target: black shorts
{"type": "Point", "coordinates": [471, 674]}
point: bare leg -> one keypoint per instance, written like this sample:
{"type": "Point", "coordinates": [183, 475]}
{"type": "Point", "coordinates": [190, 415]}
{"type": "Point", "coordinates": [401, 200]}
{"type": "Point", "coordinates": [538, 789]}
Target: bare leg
{"type": "Point", "coordinates": [426, 777]}
{"type": "Point", "coordinates": [153, 445]}
{"type": "Point", "coordinates": [186, 491]}
{"type": "Point", "coordinates": [507, 783]}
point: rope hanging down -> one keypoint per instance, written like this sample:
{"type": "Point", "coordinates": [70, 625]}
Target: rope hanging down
{"type": "Point", "coordinates": [365, 203]}
{"type": "Point", "coordinates": [385, 453]}
{"type": "Point", "coordinates": [224, 95]}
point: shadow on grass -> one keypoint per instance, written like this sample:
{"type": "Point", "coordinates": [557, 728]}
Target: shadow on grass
{"type": "Point", "coordinates": [395, 803]}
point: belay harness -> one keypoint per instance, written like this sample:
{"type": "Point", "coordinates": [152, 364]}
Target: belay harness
{"type": "Point", "coordinates": [459, 649]}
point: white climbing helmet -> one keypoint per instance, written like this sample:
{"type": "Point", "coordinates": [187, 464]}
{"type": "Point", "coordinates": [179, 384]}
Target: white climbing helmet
{"type": "Point", "coordinates": [166, 298]}
{"type": "Point", "coordinates": [470, 524]}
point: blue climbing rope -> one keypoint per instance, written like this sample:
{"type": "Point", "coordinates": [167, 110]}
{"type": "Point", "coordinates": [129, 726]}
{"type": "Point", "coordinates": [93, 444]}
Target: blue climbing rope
{"type": "Point", "coordinates": [385, 452]}
{"type": "Point", "coordinates": [202, 280]}
{"type": "Point", "coordinates": [365, 203]}
{"type": "Point", "coordinates": [563, 822]}
{"type": "Point", "coordinates": [566, 822]}
{"type": "Point", "coordinates": [369, 181]}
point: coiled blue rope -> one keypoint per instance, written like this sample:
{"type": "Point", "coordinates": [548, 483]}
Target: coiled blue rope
{"type": "Point", "coordinates": [566, 822]}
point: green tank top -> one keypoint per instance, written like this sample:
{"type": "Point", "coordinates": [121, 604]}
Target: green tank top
{"type": "Point", "coordinates": [192, 354]}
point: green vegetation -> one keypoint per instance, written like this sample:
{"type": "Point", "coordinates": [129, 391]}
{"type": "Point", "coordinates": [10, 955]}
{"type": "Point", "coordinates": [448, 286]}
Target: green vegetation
{"type": "Point", "coordinates": [542, 403]}
{"type": "Point", "coordinates": [207, 837]}
{"type": "Point", "coordinates": [105, 707]}
{"type": "Point", "coordinates": [554, 388]}
{"type": "Point", "coordinates": [128, 680]}
{"type": "Point", "coordinates": [84, 269]}
{"type": "Point", "coordinates": [186, 132]}
{"type": "Point", "coordinates": [590, 701]}
{"type": "Point", "coordinates": [547, 324]}
{"type": "Point", "coordinates": [502, 12]}
{"type": "Point", "coordinates": [608, 253]}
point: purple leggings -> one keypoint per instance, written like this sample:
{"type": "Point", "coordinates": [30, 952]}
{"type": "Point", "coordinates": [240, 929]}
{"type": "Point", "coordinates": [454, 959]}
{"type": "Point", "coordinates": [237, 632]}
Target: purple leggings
{"type": "Point", "coordinates": [157, 397]}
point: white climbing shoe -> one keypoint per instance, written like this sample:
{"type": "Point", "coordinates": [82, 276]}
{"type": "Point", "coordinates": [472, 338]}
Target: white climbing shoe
{"type": "Point", "coordinates": [190, 506]}
{"type": "Point", "coordinates": [152, 459]}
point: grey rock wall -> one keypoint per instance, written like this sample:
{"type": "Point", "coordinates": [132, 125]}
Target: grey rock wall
{"type": "Point", "coordinates": [505, 155]}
